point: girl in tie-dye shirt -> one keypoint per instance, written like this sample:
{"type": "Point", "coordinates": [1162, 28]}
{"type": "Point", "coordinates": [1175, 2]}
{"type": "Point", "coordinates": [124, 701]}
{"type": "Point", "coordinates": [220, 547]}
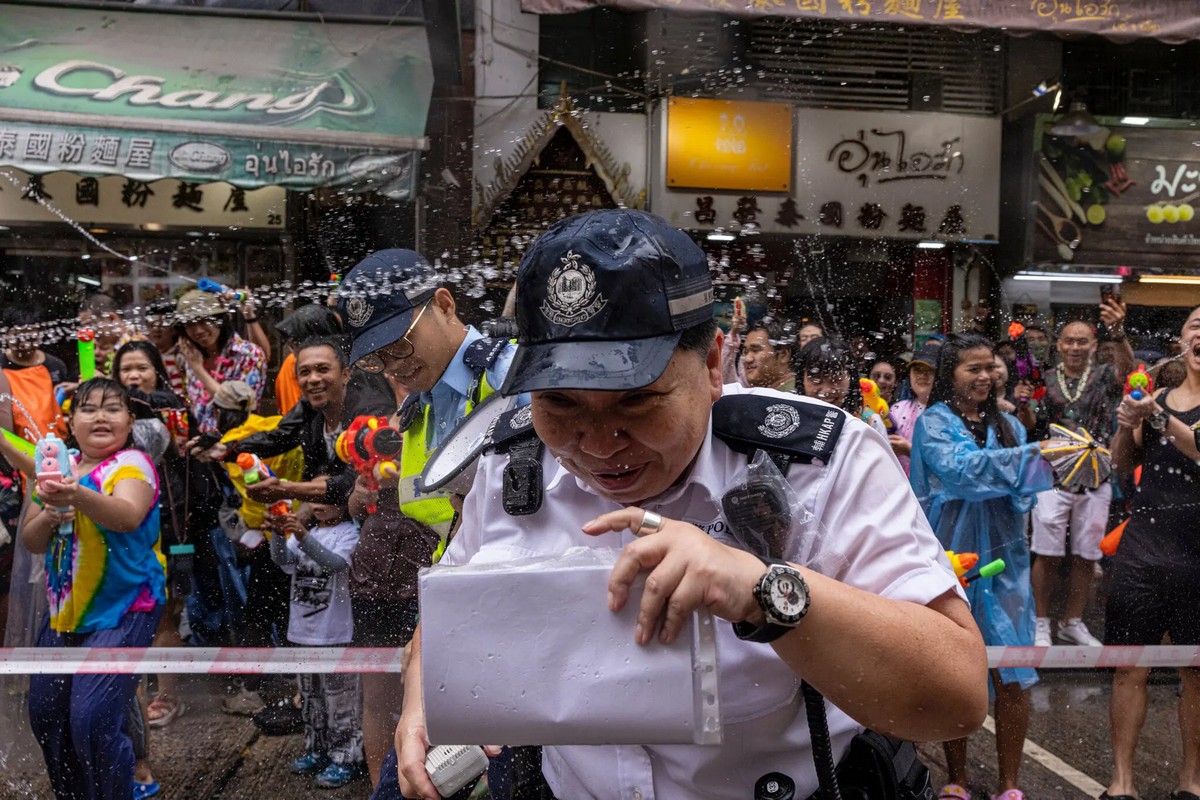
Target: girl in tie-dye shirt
{"type": "Point", "coordinates": [106, 581]}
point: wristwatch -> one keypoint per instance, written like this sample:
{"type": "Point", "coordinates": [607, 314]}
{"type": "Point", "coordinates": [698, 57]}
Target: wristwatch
{"type": "Point", "coordinates": [782, 594]}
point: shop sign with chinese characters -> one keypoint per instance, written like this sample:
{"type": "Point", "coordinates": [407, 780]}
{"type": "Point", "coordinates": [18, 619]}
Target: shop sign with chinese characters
{"type": "Point", "coordinates": [865, 174]}
{"type": "Point", "coordinates": [88, 200]}
{"type": "Point", "coordinates": [251, 102]}
{"type": "Point", "coordinates": [1170, 20]}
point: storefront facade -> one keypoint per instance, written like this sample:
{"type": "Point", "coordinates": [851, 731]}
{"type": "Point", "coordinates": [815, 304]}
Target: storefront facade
{"type": "Point", "coordinates": [852, 218]}
{"type": "Point", "coordinates": [164, 147]}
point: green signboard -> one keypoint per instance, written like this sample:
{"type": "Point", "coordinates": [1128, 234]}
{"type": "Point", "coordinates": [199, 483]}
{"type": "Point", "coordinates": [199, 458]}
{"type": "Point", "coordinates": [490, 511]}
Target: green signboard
{"type": "Point", "coordinates": [250, 101]}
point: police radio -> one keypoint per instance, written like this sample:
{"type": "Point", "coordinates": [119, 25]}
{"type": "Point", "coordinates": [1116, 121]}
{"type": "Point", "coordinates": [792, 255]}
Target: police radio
{"type": "Point", "coordinates": [453, 767]}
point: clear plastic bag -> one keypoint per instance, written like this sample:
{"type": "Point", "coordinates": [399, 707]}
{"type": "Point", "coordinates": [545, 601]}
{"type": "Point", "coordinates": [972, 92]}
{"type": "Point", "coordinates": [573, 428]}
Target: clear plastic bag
{"type": "Point", "coordinates": [761, 509]}
{"type": "Point", "coordinates": [528, 653]}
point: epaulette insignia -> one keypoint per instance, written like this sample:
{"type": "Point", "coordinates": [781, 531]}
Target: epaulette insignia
{"type": "Point", "coordinates": [481, 354]}
{"type": "Point", "coordinates": [805, 432]}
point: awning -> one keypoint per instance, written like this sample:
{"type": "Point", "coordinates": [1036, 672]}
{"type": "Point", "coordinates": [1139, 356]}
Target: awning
{"type": "Point", "coordinates": [253, 102]}
{"type": "Point", "coordinates": [1169, 20]}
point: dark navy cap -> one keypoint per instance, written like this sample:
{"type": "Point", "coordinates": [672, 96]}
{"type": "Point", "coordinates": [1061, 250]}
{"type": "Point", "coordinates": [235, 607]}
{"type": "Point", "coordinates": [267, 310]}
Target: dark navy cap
{"type": "Point", "coordinates": [378, 297]}
{"type": "Point", "coordinates": [602, 300]}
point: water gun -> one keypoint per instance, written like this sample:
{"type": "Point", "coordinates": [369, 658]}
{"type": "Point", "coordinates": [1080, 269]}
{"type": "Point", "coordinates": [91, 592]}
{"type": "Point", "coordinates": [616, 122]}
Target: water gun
{"type": "Point", "coordinates": [1112, 539]}
{"type": "Point", "coordinates": [254, 469]}
{"type": "Point", "coordinates": [223, 291]}
{"type": "Point", "coordinates": [873, 400]}
{"type": "Point", "coordinates": [1139, 384]}
{"type": "Point", "coordinates": [963, 563]}
{"type": "Point", "coordinates": [54, 461]}
{"type": "Point", "coordinates": [371, 446]}
{"type": "Point", "coordinates": [1026, 366]}
{"type": "Point", "coordinates": [87, 354]}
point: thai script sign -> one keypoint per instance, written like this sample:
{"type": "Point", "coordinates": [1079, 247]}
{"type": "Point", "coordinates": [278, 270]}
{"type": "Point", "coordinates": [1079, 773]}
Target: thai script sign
{"type": "Point", "coordinates": [859, 173]}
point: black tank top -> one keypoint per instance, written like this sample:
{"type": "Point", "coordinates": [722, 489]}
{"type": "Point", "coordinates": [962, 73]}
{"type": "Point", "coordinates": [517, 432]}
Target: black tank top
{"type": "Point", "coordinates": [1166, 505]}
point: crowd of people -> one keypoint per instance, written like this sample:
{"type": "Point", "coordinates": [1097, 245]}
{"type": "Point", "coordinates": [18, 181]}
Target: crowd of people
{"type": "Point", "coordinates": [965, 423]}
{"type": "Point", "coordinates": [192, 518]}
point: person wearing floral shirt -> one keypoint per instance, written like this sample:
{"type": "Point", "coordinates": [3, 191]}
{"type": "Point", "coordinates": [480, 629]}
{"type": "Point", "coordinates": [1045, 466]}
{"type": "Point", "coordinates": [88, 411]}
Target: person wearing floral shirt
{"type": "Point", "coordinates": [212, 354]}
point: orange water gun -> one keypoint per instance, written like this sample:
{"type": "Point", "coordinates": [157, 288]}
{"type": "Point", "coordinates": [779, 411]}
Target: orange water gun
{"type": "Point", "coordinates": [873, 400]}
{"type": "Point", "coordinates": [963, 563]}
{"type": "Point", "coordinates": [1139, 384]}
{"type": "Point", "coordinates": [372, 447]}
{"type": "Point", "coordinates": [1112, 539]}
{"type": "Point", "coordinates": [254, 469]}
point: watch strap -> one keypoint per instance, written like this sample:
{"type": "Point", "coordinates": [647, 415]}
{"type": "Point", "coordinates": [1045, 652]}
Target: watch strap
{"type": "Point", "coordinates": [767, 632]}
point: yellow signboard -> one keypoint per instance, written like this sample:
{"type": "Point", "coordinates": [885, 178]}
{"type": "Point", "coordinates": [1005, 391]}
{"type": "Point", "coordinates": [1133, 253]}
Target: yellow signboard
{"type": "Point", "coordinates": [727, 144]}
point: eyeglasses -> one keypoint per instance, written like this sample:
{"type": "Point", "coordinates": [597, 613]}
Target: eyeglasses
{"type": "Point", "coordinates": [88, 412]}
{"type": "Point", "coordinates": [378, 361]}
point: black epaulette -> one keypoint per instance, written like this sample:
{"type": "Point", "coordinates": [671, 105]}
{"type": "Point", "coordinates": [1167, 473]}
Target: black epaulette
{"type": "Point", "coordinates": [482, 353]}
{"type": "Point", "coordinates": [788, 430]}
{"type": "Point", "coordinates": [410, 409]}
{"type": "Point", "coordinates": [524, 486]}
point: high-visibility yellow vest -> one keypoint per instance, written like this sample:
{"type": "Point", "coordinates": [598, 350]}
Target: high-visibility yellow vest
{"type": "Point", "coordinates": [431, 508]}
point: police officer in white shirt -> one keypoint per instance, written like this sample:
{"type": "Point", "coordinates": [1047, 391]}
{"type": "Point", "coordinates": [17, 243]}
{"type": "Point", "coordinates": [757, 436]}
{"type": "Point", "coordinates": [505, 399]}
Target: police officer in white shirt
{"type": "Point", "coordinates": [815, 548]}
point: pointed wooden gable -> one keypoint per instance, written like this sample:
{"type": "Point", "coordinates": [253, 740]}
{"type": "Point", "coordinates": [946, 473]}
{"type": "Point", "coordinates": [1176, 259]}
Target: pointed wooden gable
{"type": "Point", "coordinates": [558, 169]}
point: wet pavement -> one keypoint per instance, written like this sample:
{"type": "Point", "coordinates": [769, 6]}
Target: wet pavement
{"type": "Point", "coordinates": [209, 754]}
{"type": "Point", "coordinates": [204, 755]}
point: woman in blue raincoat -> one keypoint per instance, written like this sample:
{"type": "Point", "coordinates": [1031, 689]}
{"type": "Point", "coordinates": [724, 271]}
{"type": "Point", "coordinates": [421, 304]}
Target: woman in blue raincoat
{"type": "Point", "coordinates": [976, 479]}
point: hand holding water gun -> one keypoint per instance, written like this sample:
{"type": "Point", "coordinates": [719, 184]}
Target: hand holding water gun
{"type": "Point", "coordinates": [1139, 384]}
{"type": "Point", "coordinates": [1025, 367]}
{"type": "Point", "coordinates": [737, 323]}
{"type": "Point", "coordinates": [221, 290]}
{"type": "Point", "coordinates": [254, 469]}
{"type": "Point", "coordinates": [873, 400]}
{"type": "Point", "coordinates": [371, 446]}
{"type": "Point", "coordinates": [55, 462]}
{"type": "Point", "coordinates": [87, 354]}
{"type": "Point", "coordinates": [963, 563]}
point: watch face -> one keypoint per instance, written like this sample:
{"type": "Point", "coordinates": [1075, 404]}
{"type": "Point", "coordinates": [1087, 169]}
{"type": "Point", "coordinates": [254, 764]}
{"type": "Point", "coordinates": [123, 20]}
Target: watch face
{"type": "Point", "coordinates": [786, 596]}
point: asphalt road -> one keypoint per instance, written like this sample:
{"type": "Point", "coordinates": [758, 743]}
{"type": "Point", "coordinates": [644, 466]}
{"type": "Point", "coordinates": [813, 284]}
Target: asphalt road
{"type": "Point", "coordinates": [207, 754]}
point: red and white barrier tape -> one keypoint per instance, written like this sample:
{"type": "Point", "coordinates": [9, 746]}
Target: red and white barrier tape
{"type": "Point", "coordinates": [196, 660]}
{"type": "Point", "coordinates": [289, 660]}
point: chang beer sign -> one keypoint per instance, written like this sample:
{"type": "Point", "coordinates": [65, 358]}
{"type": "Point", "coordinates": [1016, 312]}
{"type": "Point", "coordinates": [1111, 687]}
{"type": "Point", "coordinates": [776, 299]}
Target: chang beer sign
{"type": "Point", "coordinates": [330, 84]}
{"type": "Point", "coordinates": [100, 84]}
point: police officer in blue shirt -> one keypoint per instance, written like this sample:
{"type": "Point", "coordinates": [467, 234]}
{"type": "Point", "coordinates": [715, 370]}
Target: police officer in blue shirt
{"type": "Point", "coordinates": [404, 323]}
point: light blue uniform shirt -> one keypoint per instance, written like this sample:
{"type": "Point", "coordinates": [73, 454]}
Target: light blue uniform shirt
{"type": "Point", "coordinates": [449, 395]}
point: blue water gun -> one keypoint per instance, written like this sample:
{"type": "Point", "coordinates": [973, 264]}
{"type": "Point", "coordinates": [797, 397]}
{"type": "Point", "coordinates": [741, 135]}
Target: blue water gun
{"type": "Point", "coordinates": [55, 462]}
{"type": "Point", "coordinates": [223, 291]}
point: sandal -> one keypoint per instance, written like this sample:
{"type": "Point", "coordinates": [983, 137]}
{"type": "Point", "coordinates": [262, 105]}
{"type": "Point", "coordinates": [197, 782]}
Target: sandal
{"type": "Point", "coordinates": [144, 791]}
{"type": "Point", "coordinates": [1009, 794]}
{"type": "Point", "coordinates": [1180, 794]}
{"type": "Point", "coordinates": [1107, 796]}
{"type": "Point", "coordinates": [162, 709]}
{"type": "Point", "coordinates": [952, 791]}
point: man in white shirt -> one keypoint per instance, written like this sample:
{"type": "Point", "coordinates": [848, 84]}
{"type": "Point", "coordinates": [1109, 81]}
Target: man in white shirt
{"type": "Point", "coordinates": [851, 590]}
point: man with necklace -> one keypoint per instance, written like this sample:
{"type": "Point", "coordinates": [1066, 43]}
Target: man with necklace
{"type": "Point", "coordinates": [1080, 393]}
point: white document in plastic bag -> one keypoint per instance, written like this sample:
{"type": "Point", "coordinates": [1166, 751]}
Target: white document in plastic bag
{"type": "Point", "coordinates": [528, 653]}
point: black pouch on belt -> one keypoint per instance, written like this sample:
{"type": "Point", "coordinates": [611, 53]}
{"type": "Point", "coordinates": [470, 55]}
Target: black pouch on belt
{"type": "Point", "coordinates": [878, 767]}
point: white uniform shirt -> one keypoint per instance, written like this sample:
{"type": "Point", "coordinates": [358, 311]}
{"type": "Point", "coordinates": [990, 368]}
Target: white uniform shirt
{"type": "Point", "coordinates": [859, 523]}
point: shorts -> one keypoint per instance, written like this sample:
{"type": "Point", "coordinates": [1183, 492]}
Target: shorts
{"type": "Point", "coordinates": [1085, 515]}
{"type": "Point", "coordinates": [1146, 602]}
{"type": "Point", "coordinates": [383, 623]}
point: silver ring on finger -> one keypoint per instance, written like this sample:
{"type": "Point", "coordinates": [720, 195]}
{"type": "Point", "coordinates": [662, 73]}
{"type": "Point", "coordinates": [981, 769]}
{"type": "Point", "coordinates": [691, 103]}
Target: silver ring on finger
{"type": "Point", "coordinates": [651, 523]}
